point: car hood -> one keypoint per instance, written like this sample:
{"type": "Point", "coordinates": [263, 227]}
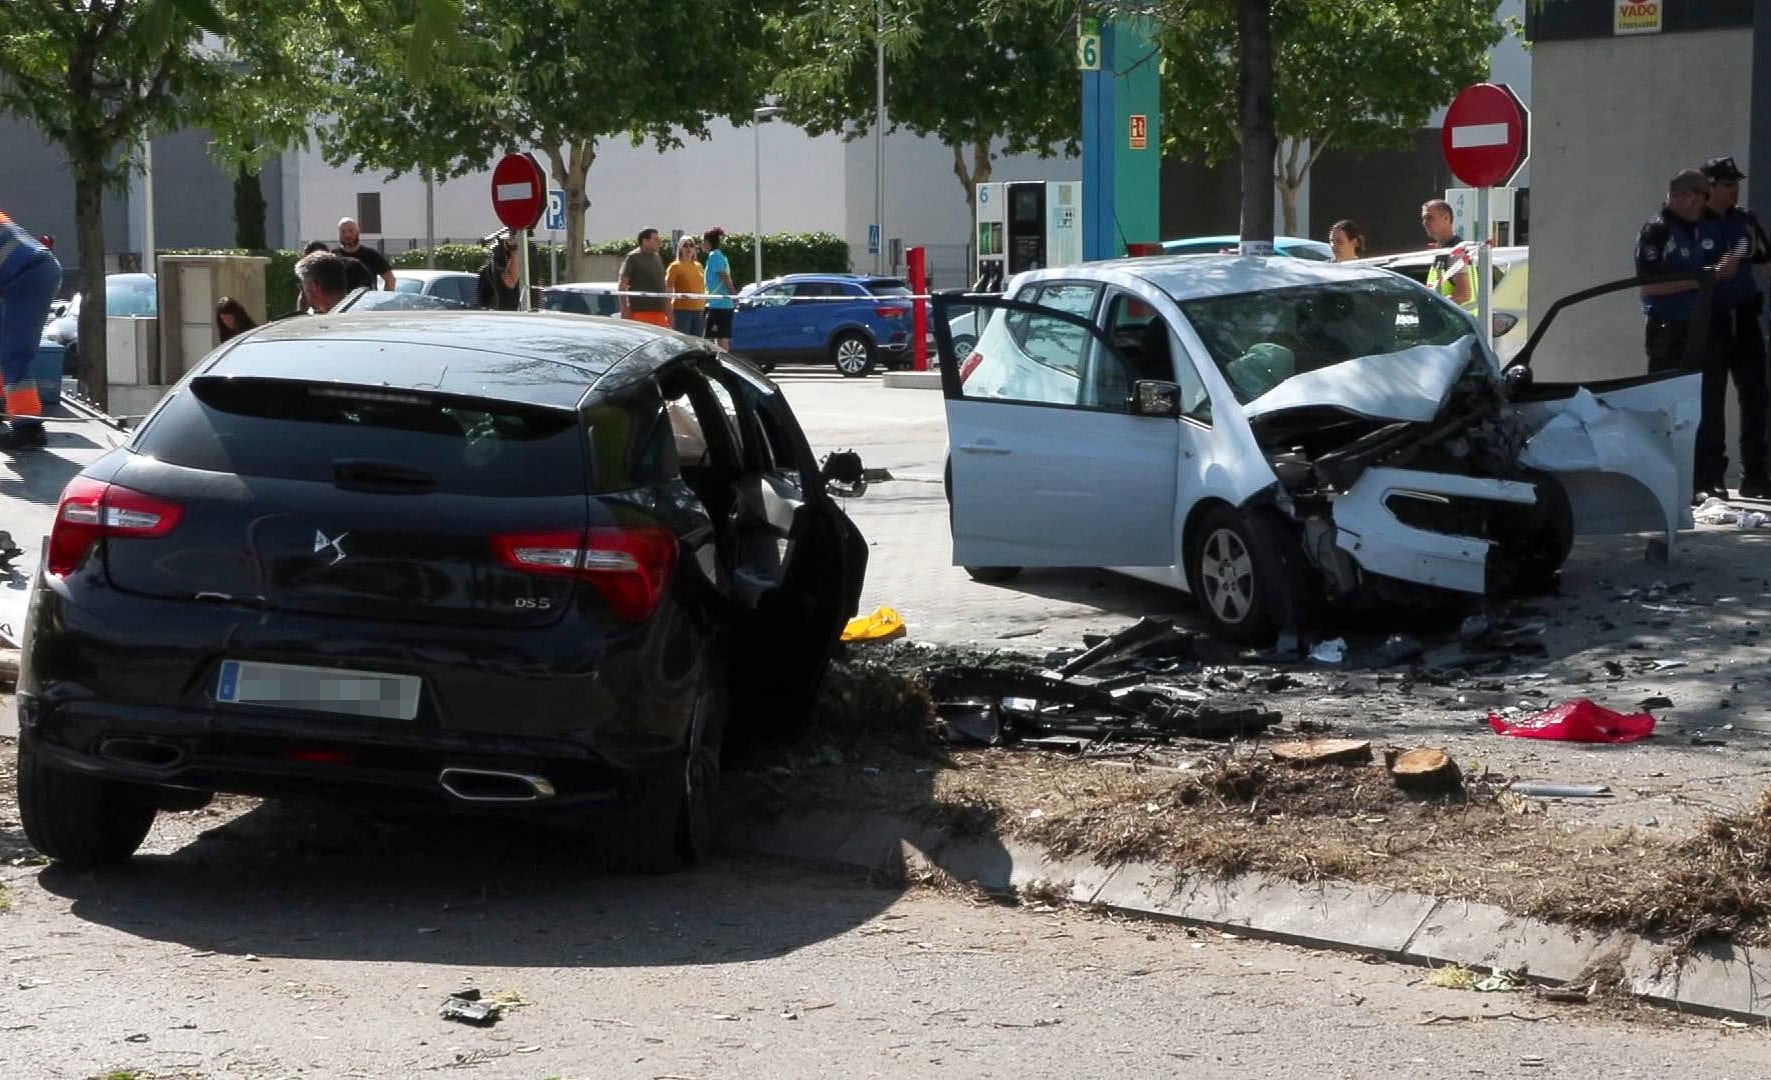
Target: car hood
{"type": "Point", "coordinates": [1410, 385]}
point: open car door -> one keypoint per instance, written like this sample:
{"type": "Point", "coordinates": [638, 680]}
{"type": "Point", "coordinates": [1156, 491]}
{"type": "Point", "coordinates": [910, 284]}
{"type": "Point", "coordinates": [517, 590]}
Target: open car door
{"type": "Point", "coordinates": [1623, 449]}
{"type": "Point", "coordinates": [1052, 459]}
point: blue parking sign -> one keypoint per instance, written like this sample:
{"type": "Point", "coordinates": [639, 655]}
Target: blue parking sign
{"type": "Point", "coordinates": [873, 239]}
{"type": "Point", "coordinates": [555, 218]}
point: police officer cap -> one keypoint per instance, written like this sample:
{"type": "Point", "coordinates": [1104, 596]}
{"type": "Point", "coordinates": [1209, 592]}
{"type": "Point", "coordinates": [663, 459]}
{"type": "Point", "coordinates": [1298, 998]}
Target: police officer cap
{"type": "Point", "coordinates": [1722, 169]}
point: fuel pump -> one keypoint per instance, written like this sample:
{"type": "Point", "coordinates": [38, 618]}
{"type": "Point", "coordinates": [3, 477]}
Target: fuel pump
{"type": "Point", "coordinates": [1026, 225]}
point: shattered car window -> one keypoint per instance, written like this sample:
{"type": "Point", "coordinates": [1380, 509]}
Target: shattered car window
{"type": "Point", "coordinates": [1259, 340]}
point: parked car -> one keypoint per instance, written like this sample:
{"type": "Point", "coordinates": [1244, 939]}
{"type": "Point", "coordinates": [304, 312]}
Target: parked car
{"type": "Point", "coordinates": [852, 321]}
{"type": "Point", "coordinates": [125, 294]}
{"type": "Point", "coordinates": [527, 563]}
{"type": "Point", "coordinates": [1295, 247]}
{"type": "Point", "coordinates": [456, 285]}
{"type": "Point", "coordinates": [1511, 285]}
{"type": "Point", "coordinates": [1259, 431]}
{"type": "Point", "coordinates": [584, 298]}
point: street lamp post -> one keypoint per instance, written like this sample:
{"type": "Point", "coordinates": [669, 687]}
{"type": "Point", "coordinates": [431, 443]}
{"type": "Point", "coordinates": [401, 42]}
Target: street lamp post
{"type": "Point", "coordinates": [758, 116]}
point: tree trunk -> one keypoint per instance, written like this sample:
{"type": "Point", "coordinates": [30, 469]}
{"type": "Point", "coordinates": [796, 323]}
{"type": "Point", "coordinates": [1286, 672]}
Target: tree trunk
{"type": "Point", "coordinates": [249, 209]}
{"type": "Point", "coordinates": [1254, 87]}
{"type": "Point", "coordinates": [981, 169]}
{"type": "Point", "coordinates": [570, 170]}
{"type": "Point", "coordinates": [89, 224]}
{"type": "Point", "coordinates": [1289, 177]}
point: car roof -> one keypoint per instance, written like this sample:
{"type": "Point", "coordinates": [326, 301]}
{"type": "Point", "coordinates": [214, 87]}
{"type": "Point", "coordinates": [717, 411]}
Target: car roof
{"type": "Point", "coordinates": [432, 275]}
{"type": "Point", "coordinates": [537, 358]}
{"type": "Point", "coordinates": [1198, 277]}
{"type": "Point", "coordinates": [1232, 238]}
{"type": "Point", "coordinates": [588, 286]}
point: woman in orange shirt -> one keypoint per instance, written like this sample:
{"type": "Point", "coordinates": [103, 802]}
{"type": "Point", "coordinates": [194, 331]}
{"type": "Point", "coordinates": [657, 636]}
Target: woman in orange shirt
{"type": "Point", "coordinates": [685, 275]}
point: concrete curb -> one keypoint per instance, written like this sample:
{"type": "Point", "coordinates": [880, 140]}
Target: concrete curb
{"type": "Point", "coordinates": [911, 380]}
{"type": "Point", "coordinates": [1726, 981]}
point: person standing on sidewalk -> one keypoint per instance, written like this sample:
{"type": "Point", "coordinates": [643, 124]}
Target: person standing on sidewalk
{"type": "Point", "coordinates": [1738, 304]}
{"type": "Point", "coordinates": [30, 276]}
{"type": "Point", "coordinates": [351, 247]}
{"type": "Point", "coordinates": [643, 272]}
{"type": "Point", "coordinates": [1679, 240]}
{"type": "Point", "coordinates": [685, 276]}
{"type": "Point", "coordinates": [719, 285]}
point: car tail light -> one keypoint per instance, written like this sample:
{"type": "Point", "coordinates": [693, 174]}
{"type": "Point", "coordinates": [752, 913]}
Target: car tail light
{"type": "Point", "coordinates": [629, 565]}
{"type": "Point", "coordinates": [92, 510]}
{"type": "Point", "coordinates": [970, 365]}
{"type": "Point", "coordinates": [891, 312]}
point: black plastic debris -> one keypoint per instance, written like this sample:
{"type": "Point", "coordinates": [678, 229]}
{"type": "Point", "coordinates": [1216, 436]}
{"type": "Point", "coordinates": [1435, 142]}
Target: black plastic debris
{"type": "Point", "coordinates": [1152, 639]}
{"type": "Point", "coordinates": [968, 723]}
{"type": "Point", "coordinates": [844, 473]}
{"type": "Point", "coordinates": [976, 705]}
{"type": "Point", "coordinates": [465, 1006]}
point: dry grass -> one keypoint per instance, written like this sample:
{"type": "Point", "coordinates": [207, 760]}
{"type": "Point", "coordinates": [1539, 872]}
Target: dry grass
{"type": "Point", "coordinates": [1240, 813]}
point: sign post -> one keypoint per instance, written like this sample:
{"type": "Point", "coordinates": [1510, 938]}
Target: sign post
{"type": "Point", "coordinates": [556, 220]}
{"type": "Point", "coordinates": [519, 194]}
{"type": "Point", "coordinates": [1484, 143]}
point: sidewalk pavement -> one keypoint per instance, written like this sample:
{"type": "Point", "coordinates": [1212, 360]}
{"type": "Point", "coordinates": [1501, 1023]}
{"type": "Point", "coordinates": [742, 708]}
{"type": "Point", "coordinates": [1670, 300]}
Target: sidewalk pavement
{"type": "Point", "coordinates": [1726, 981]}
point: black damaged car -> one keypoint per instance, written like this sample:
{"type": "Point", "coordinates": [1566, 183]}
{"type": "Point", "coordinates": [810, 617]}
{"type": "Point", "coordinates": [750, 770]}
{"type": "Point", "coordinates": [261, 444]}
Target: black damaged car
{"type": "Point", "coordinates": [512, 563]}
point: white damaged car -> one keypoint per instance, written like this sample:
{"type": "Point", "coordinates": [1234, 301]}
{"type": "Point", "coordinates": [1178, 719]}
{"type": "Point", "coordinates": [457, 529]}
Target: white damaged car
{"type": "Point", "coordinates": [1262, 431]}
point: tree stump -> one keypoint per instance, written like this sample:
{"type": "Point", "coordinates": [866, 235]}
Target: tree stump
{"type": "Point", "coordinates": [1424, 770]}
{"type": "Point", "coordinates": [1312, 752]}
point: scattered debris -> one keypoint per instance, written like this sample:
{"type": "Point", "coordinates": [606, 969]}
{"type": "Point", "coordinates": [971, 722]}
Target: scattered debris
{"type": "Point", "coordinates": [1146, 638]}
{"type": "Point", "coordinates": [1577, 721]}
{"type": "Point", "coordinates": [844, 473]}
{"type": "Point", "coordinates": [884, 624]}
{"type": "Point", "coordinates": [1451, 977]}
{"type": "Point", "coordinates": [1559, 791]}
{"type": "Point", "coordinates": [465, 1006]}
{"type": "Point", "coordinates": [1329, 652]}
{"type": "Point", "coordinates": [1424, 769]}
{"type": "Point", "coordinates": [1398, 649]}
{"type": "Point", "coordinates": [987, 706]}
{"type": "Point", "coordinates": [1717, 512]}
{"type": "Point", "coordinates": [1501, 981]}
{"type": "Point", "coordinates": [1323, 752]}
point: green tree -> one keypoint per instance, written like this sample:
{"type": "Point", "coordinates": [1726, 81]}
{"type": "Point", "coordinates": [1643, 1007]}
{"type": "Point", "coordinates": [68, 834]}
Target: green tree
{"type": "Point", "coordinates": [1355, 74]}
{"type": "Point", "coordinates": [969, 74]}
{"type": "Point", "coordinates": [96, 79]}
{"type": "Point", "coordinates": [556, 76]}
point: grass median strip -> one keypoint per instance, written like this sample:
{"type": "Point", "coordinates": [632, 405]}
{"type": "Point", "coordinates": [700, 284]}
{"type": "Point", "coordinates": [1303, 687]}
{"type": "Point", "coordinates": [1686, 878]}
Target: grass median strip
{"type": "Point", "coordinates": [1228, 809]}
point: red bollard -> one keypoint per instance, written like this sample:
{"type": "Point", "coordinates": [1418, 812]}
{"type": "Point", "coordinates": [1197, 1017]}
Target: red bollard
{"type": "Point", "coordinates": [917, 258]}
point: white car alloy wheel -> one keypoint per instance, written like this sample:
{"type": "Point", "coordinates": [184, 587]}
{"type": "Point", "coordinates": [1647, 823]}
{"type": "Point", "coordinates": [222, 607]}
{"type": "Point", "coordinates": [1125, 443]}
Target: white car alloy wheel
{"type": "Point", "coordinates": [852, 355]}
{"type": "Point", "coordinates": [1226, 572]}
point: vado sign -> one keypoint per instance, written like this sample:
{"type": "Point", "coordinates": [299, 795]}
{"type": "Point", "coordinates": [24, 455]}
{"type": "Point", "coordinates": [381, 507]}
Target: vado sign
{"type": "Point", "coordinates": [1636, 17]}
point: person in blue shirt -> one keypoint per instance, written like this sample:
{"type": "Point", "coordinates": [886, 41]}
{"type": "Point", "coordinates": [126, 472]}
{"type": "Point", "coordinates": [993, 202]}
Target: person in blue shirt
{"type": "Point", "coordinates": [1680, 240]}
{"type": "Point", "coordinates": [1738, 304]}
{"type": "Point", "coordinates": [720, 289]}
{"type": "Point", "coordinates": [29, 279]}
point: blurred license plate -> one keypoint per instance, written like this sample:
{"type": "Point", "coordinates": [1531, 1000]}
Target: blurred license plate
{"type": "Point", "coordinates": [334, 690]}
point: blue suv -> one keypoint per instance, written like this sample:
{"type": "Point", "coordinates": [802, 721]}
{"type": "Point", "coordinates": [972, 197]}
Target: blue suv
{"type": "Point", "coordinates": [853, 321]}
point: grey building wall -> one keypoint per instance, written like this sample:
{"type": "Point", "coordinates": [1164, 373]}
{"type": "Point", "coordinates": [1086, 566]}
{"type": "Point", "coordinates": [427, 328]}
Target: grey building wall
{"type": "Point", "coordinates": [1602, 153]}
{"type": "Point", "coordinates": [37, 189]}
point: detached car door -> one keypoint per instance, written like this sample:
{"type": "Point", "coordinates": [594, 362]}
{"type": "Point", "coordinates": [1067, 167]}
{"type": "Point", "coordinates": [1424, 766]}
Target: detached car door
{"type": "Point", "coordinates": [1043, 469]}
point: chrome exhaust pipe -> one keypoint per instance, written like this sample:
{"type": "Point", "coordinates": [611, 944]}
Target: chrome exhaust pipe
{"type": "Point", "coordinates": [494, 785]}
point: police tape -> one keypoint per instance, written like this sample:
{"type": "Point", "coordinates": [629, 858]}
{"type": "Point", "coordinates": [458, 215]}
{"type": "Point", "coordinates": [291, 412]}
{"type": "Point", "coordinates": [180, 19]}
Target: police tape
{"type": "Point", "coordinates": [780, 300]}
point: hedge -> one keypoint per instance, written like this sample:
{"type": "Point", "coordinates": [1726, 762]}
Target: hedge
{"type": "Point", "coordinates": [783, 253]}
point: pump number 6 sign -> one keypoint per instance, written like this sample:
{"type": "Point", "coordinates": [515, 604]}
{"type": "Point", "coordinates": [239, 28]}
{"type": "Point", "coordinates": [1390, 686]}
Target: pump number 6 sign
{"type": "Point", "coordinates": [1088, 45]}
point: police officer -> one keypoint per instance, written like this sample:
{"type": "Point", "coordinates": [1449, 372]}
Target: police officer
{"type": "Point", "coordinates": [1451, 274]}
{"type": "Point", "coordinates": [1738, 303]}
{"type": "Point", "coordinates": [1680, 240]}
{"type": "Point", "coordinates": [29, 279]}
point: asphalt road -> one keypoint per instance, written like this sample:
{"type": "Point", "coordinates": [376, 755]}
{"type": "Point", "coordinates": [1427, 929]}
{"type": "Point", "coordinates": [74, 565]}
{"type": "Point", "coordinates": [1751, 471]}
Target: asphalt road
{"type": "Point", "coordinates": [277, 949]}
{"type": "Point", "coordinates": [281, 941]}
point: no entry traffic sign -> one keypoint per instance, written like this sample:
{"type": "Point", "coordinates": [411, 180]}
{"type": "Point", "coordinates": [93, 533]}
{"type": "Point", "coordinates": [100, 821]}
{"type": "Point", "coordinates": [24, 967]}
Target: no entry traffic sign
{"type": "Point", "coordinates": [1484, 135]}
{"type": "Point", "coordinates": [519, 191]}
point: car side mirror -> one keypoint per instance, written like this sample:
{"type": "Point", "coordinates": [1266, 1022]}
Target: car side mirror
{"type": "Point", "coordinates": [1154, 397]}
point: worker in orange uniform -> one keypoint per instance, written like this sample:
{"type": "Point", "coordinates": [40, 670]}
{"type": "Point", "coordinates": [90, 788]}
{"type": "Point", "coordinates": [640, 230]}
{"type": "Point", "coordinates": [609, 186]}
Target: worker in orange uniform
{"type": "Point", "coordinates": [30, 276]}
